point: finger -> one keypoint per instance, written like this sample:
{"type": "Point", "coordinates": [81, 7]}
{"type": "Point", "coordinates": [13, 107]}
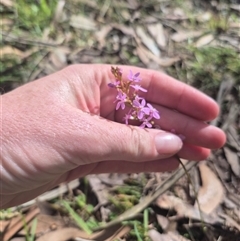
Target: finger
{"type": "Point", "coordinates": [168, 164]}
{"type": "Point", "coordinates": [108, 140]}
{"type": "Point", "coordinates": [195, 132]}
{"type": "Point", "coordinates": [193, 153]}
{"type": "Point", "coordinates": [167, 91]}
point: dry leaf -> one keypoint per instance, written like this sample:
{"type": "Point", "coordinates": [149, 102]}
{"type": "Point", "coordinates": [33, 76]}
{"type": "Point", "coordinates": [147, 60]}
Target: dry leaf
{"type": "Point", "coordinates": [184, 35]}
{"type": "Point", "coordinates": [234, 25]}
{"type": "Point", "coordinates": [184, 209]}
{"type": "Point", "coordinates": [101, 191]}
{"type": "Point", "coordinates": [59, 57]}
{"type": "Point", "coordinates": [170, 236]}
{"type": "Point", "coordinates": [9, 50]}
{"type": "Point", "coordinates": [165, 62]}
{"type": "Point", "coordinates": [206, 39]}
{"type": "Point", "coordinates": [235, 7]}
{"type": "Point", "coordinates": [162, 221]}
{"type": "Point", "coordinates": [7, 3]}
{"type": "Point", "coordinates": [58, 15]}
{"type": "Point", "coordinates": [126, 30]}
{"type": "Point", "coordinates": [154, 235]}
{"type": "Point", "coordinates": [211, 193]}
{"type": "Point", "coordinates": [119, 234]}
{"type": "Point", "coordinates": [63, 234]}
{"type": "Point", "coordinates": [3, 225]}
{"type": "Point", "coordinates": [46, 223]}
{"type": "Point", "coordinates": [147, 41]}
{"type": "Point", "coordinates": [232, 41]}
{"type": "Point", "coordinates": [102, 34]}
{"type": "Point", "coordinates": [18, 225]}
{"type": "Point", "coordinates": [82, 22]}
{"type": "Point", "coordinates": [204, 17]}
{"type": "Point", "coordinates": [157, 31]}
{"type": "Point", "coordinates": [142, 55]}
{"type": "Point", "coordinates": [233, 160]}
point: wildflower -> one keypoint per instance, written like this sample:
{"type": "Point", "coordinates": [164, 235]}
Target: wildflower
{"type": "Point", "coordinates": [138, 87]}
{"type": "Point", "coordinates": [114, 85]}
{"type": "Point", "coordinates": [134, 77]}
{"type": "Point", "coordinates": [146, 122]}
{"type": "Point", "coordinates": [139, 109]}
{"type": "Point", "coordinates": [121, 98]}
{"type": "Point", "coordinates": [128, 117]}
{"type": "Point", "coordinates": [150, 110]}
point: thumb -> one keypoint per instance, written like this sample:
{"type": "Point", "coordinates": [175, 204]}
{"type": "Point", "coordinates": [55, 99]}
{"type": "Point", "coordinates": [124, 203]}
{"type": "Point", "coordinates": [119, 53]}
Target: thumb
{"type": "Point", "coordinates": [115, 141]}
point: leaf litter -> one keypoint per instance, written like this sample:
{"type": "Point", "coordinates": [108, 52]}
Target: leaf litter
{"type": "Point", "coordinates": [152, 34]}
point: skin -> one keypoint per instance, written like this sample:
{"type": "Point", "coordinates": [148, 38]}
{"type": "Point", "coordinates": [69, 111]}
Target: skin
{"type": "Point", "coordinates": [65, 126]}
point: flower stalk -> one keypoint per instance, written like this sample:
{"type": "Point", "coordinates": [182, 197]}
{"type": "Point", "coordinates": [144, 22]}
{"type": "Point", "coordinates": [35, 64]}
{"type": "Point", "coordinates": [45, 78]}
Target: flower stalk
{"type": "Point", "coordinates": [129, 94]}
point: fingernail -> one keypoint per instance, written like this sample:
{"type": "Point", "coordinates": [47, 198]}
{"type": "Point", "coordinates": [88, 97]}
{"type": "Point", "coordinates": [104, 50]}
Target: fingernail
{"type": "Point", "coordinates": [167, 143]}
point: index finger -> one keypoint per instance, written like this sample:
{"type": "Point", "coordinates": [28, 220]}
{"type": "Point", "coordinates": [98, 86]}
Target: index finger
{"type": "Point", "coordinates": [169, 92]}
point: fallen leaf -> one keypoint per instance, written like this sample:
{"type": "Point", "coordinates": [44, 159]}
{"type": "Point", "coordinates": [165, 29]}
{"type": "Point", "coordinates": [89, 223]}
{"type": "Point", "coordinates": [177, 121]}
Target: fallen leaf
{"type": "Point", "coordinates": [233, 160]}
{"type": "Point", "coordinates": [141, 53]}
{"type": "Point", "coordinates": [3, 225]}
{"type": "Point", "coordinates": [211, 193]}
{"type": "Point", "coordinates": [13, 228]}
{"type": "Point", "coordinates": [83, 22]}
{"type": "Point", "coordinates": [157, 31]}
{"type": "Point", "coordinates": [184, 35]}
{"type": "Point", "coordinates": [204, 17]}
{"type": "Point", "coordinates": [235, 7]}
{"type": "Point", "coordinates": [102, 34]}
{"type": "Point", "coordinates": [59, 57]}
{"type": "Point", "coordinates": [9, 50]}
{"type": "Point", "coordinates": [184, 209]}
{"type": "Point", "coordinates": [63, 234]}
{"type": "Point", "coordinates": [7, 3]}
{"type": "Point", "coordinates": [204, 40]}
{"type": "Point", "coordinates": [101, 191]}
{"type": "Point", "coordinates": [58, 15]}
{"type": "Point", "coordinates": [154, 235]}
{"type": "Point", "coordinates": [234, 25]}
{"type": "Point", "coordinates": [162, 221]}
{"type": "Point", "coordinates": [126, 30]}
{"type": "Point", "coordinates": [147, 41]}
{"type": "Point", "coordinates": [45, 224]}
{"type": "Point", "coordinates": [232, 41]}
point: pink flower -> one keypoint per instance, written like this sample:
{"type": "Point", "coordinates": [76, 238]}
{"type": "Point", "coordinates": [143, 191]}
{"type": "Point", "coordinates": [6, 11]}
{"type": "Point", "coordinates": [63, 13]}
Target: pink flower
{"type": "Point", "coordinates": [114, 85]}
{"type": "Point", "coordinates": [121, 98]}
{"type": "Point", "coordinates": [128, 117]}
{"type": "Point", "coordinates": [140, 103]}
{"type": "Point", "coordinates": [146, 123]}
{"type": "Point", "coordinates": [134, 77]}
{"type": "Point", "coordinates": [150, 110]}
{"type": "Point", "coordinates": [138, 87]}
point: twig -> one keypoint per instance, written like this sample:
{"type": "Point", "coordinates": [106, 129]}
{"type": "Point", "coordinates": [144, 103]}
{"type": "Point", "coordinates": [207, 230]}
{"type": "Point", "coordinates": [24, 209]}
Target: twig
{"type": "Point", "coordinates": [10, 38]}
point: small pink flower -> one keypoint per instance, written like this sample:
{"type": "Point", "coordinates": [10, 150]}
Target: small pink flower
{"type": "Point", "coordinates": [114, 85]}
{"type": "Point", "coordinates": [121, 98]}
{"type": "Point", "coordinates": [134, 77]}
{"type": "Point", "coordinates": [138, 87]}
{"type": "Point", "coordinates": [146, 123]}
{"type": "Point", "coordinates": [150, 110]}
{"type": "Point", "coordinates": [140, 103]}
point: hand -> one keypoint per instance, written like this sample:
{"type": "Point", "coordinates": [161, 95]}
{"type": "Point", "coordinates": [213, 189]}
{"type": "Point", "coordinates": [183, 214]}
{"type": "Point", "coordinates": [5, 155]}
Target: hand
{"type": "Point", "coordinates": [65, 126]}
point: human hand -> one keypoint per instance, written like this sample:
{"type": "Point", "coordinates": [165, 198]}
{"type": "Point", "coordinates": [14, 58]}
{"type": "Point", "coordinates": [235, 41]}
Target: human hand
{"type": "Point", "coordinates": [65, 126]}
